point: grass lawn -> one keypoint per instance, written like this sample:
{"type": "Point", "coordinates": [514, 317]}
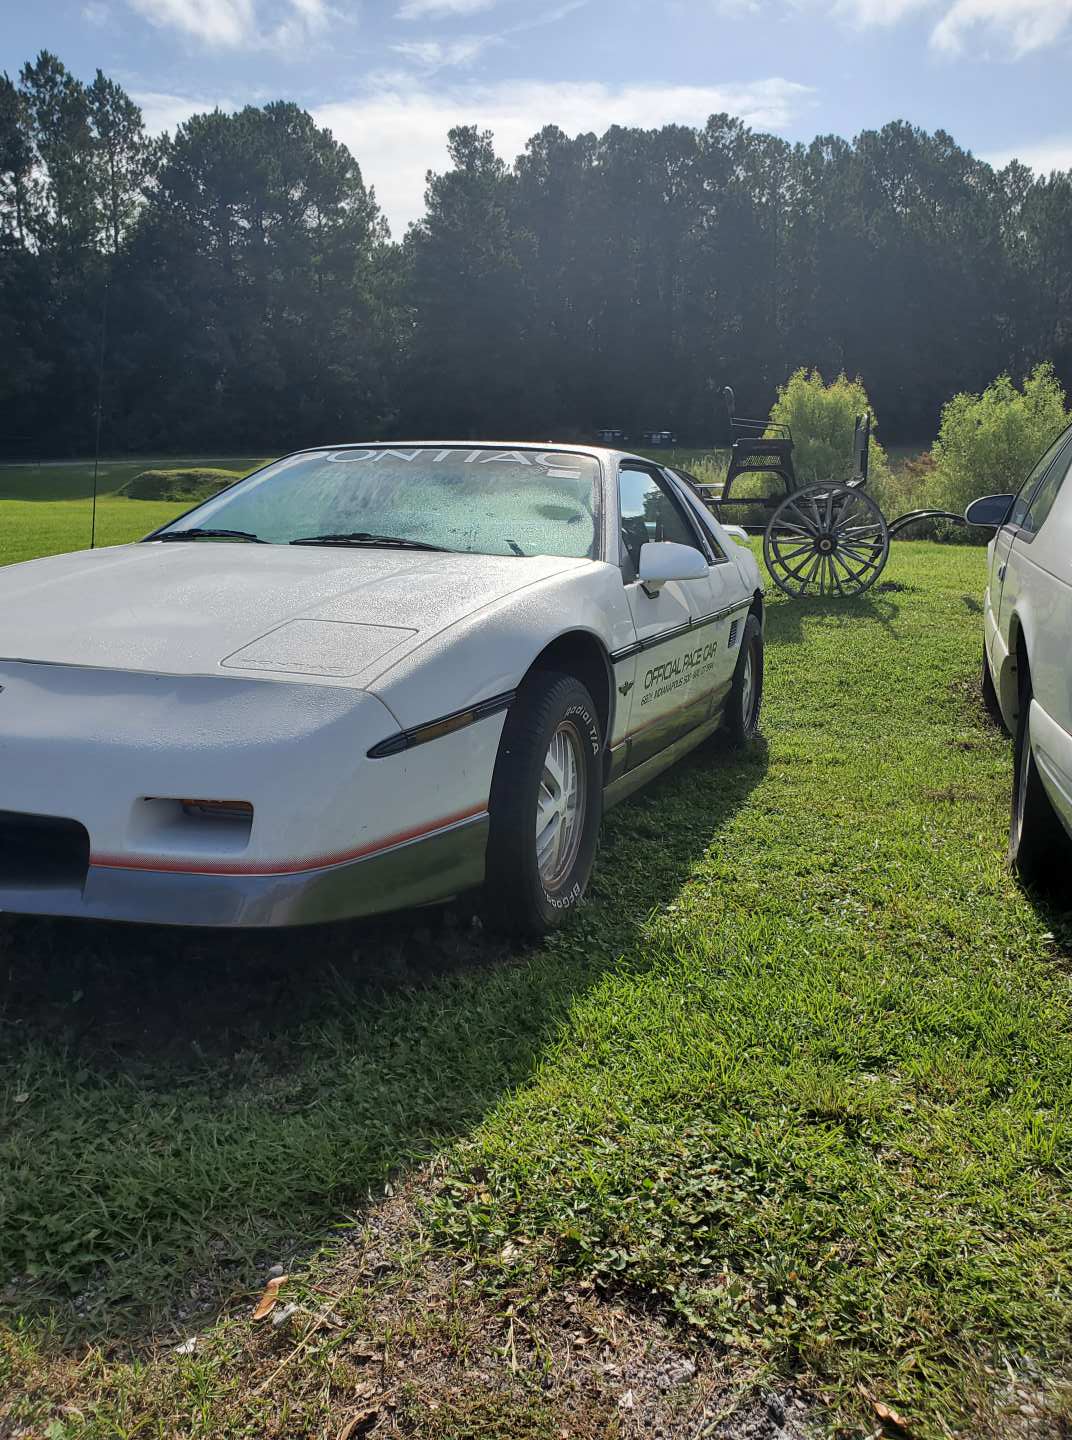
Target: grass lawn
{"type": "Point", "coordinates": [29, 528]}
{"type": "Point", "coordinates": [689, 459]}
{"type": "Point", "coordinates": [788, 1108]}
{"type": "Point", "coordinates": [45, 509]}
{"type": "Point", "coordinates": [73, 479]}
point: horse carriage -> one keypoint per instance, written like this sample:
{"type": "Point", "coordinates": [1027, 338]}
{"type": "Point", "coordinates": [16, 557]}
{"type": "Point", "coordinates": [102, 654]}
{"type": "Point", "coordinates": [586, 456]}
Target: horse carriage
{"type": "Point", "coordinates": [824, 538]}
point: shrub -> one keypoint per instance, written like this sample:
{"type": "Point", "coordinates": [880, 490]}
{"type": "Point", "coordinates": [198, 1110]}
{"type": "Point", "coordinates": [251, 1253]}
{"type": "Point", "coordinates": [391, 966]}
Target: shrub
{"type": "Point", "coordinates": [822, 418]}
{"type": "Point", "coordinates": [905, 485]}
{"type": "Point", "coordinates": [190, 485]}
{"type": "Point", "coordinates": [911, 488]}
{"type": "Point", "coordinates": [987, 443]}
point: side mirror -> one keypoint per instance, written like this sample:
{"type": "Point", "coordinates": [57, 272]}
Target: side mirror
{"type": "Point", "coordinates": [737, 532]}
{"type": "Point", "coordinates": [989, 510]}
{"type": "Point", "coordinates": [663, 560]}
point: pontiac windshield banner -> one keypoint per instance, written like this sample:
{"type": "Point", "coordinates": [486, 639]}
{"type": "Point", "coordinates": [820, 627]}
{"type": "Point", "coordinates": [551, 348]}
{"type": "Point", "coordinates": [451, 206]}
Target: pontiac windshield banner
{"type": "Point", "coordinates": [550, 463]}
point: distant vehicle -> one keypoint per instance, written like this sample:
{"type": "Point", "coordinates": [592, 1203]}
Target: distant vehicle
{"type": "Point", "coordinates": [614, 438]}
{"type": "Point", "coordinates": [1027, 659]}
{"type": "Point", "coordinates": [366, 678]}
{"type": "Point", "coordinates": [658, 439]}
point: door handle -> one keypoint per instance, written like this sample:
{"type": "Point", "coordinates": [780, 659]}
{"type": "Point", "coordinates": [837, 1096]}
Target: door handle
{"type": "Point", "coordinates": [1001, 571]}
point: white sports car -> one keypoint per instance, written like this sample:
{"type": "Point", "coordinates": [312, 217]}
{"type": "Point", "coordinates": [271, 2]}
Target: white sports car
{"type": "Point", "coordinates": [365, 678]}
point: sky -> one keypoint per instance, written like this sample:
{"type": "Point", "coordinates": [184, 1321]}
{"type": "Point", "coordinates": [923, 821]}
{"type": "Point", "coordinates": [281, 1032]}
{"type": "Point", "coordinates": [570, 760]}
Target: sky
{"type": "Point", "coordinates": [390, 77]}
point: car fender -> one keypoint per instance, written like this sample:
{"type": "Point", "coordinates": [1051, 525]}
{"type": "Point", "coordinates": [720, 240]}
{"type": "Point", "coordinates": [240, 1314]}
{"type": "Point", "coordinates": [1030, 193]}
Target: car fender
{"type": "Point", "coordinates": [748, 568]}
{"type": "Point", "coordinates": [482, 659]}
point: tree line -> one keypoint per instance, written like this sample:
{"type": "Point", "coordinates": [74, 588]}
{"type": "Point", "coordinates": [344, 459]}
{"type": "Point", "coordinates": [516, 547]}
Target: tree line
{"type": "Point", "coordinates": [243, 289]}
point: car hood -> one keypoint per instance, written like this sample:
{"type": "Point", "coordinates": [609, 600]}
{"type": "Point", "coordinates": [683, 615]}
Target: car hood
{"type": "Point", "coordinates": [202, 606]}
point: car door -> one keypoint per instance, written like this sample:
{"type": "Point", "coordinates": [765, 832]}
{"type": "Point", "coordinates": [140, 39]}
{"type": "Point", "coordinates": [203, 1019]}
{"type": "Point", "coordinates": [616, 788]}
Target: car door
{"type": "Point", "coordinates": [1003, 588]}
{"type": "Point", "coordinates": [675, 667]}
{"type": "Point", "coordinates": [1036, 585]}
{"type": "Point", "coordinates": [729, 595]}
{"type": "Point", "coordinates": [1038, 593]}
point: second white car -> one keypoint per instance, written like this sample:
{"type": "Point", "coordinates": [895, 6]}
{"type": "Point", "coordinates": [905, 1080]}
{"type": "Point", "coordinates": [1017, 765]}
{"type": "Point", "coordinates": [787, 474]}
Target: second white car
{"type": "Point", "coordinates": [1027, 659]}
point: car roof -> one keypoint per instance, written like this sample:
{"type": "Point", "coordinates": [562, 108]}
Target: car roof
{"type": "Point", "coordinates": [598, 452]}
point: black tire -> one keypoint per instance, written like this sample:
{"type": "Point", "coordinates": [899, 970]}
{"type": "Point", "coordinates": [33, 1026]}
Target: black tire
{"type": "Point", "coordinates": [741, 720]}
{"type": "Point", "coordinates": [1039, 848]}
{"type": "Point", "coordinates": [989, 695]}
{"type": "Point", "coordinates": [518, 898]}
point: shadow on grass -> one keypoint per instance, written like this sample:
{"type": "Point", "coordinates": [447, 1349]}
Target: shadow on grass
{"type": "Point", "coordinates": [787, 619]}
{"type": "Point", "coordinates": [183, 1108]}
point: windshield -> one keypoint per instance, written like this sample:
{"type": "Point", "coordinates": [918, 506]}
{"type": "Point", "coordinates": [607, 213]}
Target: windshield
{"type": "Point", "coordinates": [478, 499]}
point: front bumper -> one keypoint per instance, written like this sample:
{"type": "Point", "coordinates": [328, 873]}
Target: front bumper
{"type": "Point", "coordinates": [421, 870]}
{"type": "Point", "coordinates": [97, 765]}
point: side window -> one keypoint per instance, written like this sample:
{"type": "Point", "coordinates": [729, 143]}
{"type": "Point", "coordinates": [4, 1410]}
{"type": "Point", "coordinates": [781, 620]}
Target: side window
{"type": "Point", "coordinates": [648, 512]}
{"type": "Point", "coordinates": [1043, 498]}
{"type": "Point", "coordinates": [1023, 500]}
{"type": "Point", "coordinates": [701, 514]}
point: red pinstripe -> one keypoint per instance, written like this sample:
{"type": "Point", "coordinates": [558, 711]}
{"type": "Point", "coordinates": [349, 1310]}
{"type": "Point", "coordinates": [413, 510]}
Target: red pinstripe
{"type": "Point", "coordinates": [167, 864]}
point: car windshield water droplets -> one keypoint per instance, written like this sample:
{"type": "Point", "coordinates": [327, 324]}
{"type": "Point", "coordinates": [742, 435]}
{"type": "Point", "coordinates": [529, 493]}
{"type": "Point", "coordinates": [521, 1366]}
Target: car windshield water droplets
{"type": "Point", "coordinates": [480, 499]}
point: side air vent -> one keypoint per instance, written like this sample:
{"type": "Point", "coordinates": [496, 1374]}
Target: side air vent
{"type": "Point", "coordinates": [734, 629]}
{"type": "Point", "coordinates": [191, 827]}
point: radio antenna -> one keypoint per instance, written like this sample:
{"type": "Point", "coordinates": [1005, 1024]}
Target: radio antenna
{"type": "Point", "coordinates": [100, 402]}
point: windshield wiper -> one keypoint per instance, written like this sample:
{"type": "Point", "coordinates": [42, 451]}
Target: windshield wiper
{"type": "Point", "coordinates": [366, 537]}
{"type": "Point", "coordinates": [198, 533]}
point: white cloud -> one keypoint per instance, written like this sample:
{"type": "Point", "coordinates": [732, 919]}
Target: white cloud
{"type": "Point", "coordinates": [94, 12]}
{"type": "Point", "coordinates": [307, 19]}
{"type": "Point", "coordinates": [434, 55]}
{"type": "Point", "coordinates": [398, 132]}
{"type": "Point", "coordinates": [866, 13]}
{"type": "Point", "coordinates": [1019, 26]}
{"type": "Point", "coordinates": [162, 111]}
{"type": "Point", "coordinates": [441, 9]}
{"type": "Point", "coordinates": [216, 22]}
{"type": "Point", "coordinates": [546, 17]}
{"type": "Point", "coordinates": [738, 9]}
{"type": "Point", "coordinates": [234, 24]}
{"type": "Point", "coordinates": [1052, 153]}
{"type": "Point", "coordinates": [1008, 29]}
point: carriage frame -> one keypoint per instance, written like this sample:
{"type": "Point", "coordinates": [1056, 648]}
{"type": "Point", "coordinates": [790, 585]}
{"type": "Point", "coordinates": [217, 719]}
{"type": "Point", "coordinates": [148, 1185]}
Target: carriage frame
{"type": "Point", "coordinates": [828, 538]}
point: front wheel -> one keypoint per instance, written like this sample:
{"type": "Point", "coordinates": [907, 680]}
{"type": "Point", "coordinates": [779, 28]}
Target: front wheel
{"type": "Point", "coordinates": [546, 806]}
{"type": "Point", "coordinates": [1038, 845]}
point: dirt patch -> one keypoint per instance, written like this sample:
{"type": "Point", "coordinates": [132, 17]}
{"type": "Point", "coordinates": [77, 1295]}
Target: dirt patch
{"type": "Point", "coordinates": [539, 1358]}
{"type": "Point", "coordinates": [966, 694]}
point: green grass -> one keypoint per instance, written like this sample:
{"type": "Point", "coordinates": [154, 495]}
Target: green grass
{"type": "Point", "coordinates": [73, 480]}
{"type": "Point", "coordinates": [30, 528]}
{"type": "Point", "coordinates": [46, 509]}
{"type": "Point", "coordinates": [692, 460]}
{"type": "Point", "coordinates": [799, 1077]}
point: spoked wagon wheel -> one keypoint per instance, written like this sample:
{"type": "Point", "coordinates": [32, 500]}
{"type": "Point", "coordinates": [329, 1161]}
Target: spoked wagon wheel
{"type": "Point", "coordinates": [826, 540]}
